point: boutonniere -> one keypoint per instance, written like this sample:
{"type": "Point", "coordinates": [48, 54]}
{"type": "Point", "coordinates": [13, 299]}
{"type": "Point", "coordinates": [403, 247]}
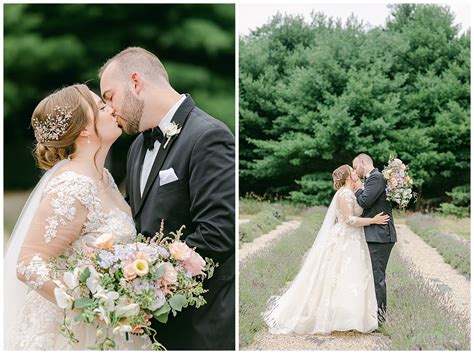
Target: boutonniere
{"type": "Point", "coordinates": [171, 130]}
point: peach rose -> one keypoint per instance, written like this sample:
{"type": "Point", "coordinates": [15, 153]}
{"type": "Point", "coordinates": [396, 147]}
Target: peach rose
{"type": "Point", "coordinates": [141, 255]}
{"type": "Point", "coordinates": [195, 264]}
{"type": "Point", "coordinates": [129, 271]}
{"type": "Point", "coordinates": [179, 250]}
{"type": "Point", "coordinates": [104, 241]}
{"type": "Point", "coordinates": [171, 276]}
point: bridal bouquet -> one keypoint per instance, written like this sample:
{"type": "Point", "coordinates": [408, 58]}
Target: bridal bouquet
{"type": "Point", "coordinates": [118, 288]}
{"type": "Point", "coordinates": [399, 183]}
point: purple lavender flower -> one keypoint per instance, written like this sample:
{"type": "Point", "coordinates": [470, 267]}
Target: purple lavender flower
{"type": "Point", "coordinates": [139, 285]}
{"type": "Point", "coordinates": [124, 252]}
{"type": "Point", "coordinates": [106, 259]}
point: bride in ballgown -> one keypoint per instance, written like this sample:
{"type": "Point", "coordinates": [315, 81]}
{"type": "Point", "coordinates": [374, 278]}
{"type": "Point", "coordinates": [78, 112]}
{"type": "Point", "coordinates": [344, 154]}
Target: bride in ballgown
{"type": "Point", "coordinates": [75, 202]}
{"type": "Point", "coordinates": [334, 290]}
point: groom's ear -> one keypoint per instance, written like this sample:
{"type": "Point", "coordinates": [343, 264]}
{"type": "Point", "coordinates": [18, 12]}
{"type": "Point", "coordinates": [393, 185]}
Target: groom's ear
{"type": "Point", "coordinates": [137, 82]}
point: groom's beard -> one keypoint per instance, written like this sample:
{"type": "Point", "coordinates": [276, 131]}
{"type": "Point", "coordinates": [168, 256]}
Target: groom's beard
{"type": "Point", "coordinates": [131, 113]}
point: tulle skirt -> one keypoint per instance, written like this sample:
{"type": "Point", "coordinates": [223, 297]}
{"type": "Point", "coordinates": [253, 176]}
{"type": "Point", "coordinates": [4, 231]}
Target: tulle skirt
{"type": "Point", "coordinates": [334, 290]}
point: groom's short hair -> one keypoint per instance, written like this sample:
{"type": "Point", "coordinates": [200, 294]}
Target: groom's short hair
{"type": "Point", "coordinates": [365, 158]}
{"type": "Point", "coordinates": [140, 60]}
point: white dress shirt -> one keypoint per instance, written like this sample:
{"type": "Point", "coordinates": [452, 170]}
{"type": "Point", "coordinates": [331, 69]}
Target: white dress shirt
{"type": "Point", "coordinates": [151, 154]}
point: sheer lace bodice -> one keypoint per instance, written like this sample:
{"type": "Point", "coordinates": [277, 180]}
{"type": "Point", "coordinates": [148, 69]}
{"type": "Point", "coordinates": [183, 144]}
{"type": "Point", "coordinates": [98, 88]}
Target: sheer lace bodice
{"type": "Point", "coordinates": [347, 208]}
{"type": "Point", "coordinates": [74, 210]}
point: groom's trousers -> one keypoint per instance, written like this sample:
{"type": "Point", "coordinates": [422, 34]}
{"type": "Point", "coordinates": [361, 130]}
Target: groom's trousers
{"type": "Point", "coordinates": [379, 255]}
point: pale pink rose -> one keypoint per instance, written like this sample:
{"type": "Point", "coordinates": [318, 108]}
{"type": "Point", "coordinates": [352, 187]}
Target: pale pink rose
{"type": "Point", "coordinates": [394, 182]}
{"type": "Point", "coordinates": [104, 241]}
{"type": "Point", "coordinates": [171, 276]}
{"type": "Point", "coordinates": [403, 167]}
{"type": "Point", "coordinates": [179, 250]}
{"type": "Point", "coordinates": [194, 264]}
{"type": "Point", "coordinates": [140, 267]}
{"type": "Point", "coordinates": [129, 272]}
{"type": "Point", "coordinates": [397, 162]}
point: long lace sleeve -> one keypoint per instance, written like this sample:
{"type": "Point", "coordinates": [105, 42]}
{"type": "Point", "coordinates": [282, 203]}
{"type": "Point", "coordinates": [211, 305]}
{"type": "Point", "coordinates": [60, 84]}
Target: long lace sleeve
{"type": "Point", "coordinates": [57, 223]}
{"type": "Point", "coordinates": [346, 202]}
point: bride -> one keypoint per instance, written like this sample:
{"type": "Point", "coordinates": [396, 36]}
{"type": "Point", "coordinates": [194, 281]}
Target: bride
{"type": "Point", "coordinates": [334, 290]}
{"type": "Point", "coordinates": [75, 202]}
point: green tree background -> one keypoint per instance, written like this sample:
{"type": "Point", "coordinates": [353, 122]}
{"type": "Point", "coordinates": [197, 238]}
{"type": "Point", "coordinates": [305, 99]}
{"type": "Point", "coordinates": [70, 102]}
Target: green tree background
{"type": "Point", "coordinates": [48, 46]}
{"type": "Point", "coordinates": [313, 95]}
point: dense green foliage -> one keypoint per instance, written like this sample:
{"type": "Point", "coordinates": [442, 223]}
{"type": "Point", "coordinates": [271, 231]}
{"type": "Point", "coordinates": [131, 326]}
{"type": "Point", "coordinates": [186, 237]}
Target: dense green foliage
{"type": "Point", "coordinates": [48, 46]}
{"type": "Point", "coordinates": [460, 202]}
{"type": "Point", "coordinates": [313, 95]}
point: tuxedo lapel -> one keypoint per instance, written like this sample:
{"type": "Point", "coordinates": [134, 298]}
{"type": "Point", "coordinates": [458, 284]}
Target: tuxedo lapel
{"type": "Point", "coordinates": [179, 118]}
{"type": "Point", "coordinates": [137, 173]}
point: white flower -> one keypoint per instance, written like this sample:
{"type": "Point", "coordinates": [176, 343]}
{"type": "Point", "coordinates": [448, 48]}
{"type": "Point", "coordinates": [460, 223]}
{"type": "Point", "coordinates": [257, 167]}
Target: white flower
{"type": "Point", "coordinates": [170, 130]}
{"type": "Point", "coordinates": [63, 299]}
{"type": "Point", "coordinates": [129, 310]}
{"type": "Point", "coordinates": [107, 299]}
{"type": "Point", "coordinates": [72, 279]}
{"type": "Point", "coordinates": [102, 314]}
{"type": "Point", "coordinates": [121, 328]}
{"type": "Point", "coordinates": [93, 281]}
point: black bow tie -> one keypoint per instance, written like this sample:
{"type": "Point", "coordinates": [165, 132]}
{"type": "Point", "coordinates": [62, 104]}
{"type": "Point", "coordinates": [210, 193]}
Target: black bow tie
{"type": "Point", "coordinates": [150, 136]}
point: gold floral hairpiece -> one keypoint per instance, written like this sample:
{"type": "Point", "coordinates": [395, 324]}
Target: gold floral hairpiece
{"type": "Point", "coordinates": [338, 176]}
{"type": "Point", "coordinates": [53, 126]}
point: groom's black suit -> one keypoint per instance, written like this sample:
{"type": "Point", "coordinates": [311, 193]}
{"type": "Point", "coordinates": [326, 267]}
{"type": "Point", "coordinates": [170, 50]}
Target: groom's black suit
{"type": "Point", "coordinates": [202, 156]}
{"type": "Point", "coordinates": [380, 238]}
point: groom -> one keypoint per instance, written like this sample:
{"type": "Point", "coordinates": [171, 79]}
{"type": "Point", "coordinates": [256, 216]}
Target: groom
{"type": "Point", "coordinates": [380, 238]}
{"type": "Point", "coordinates": [180, 169]}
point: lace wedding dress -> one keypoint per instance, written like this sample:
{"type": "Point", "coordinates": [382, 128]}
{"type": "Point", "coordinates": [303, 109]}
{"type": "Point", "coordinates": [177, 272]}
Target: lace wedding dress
{"type": "Point", "coordinates": [334, 290]}
{"type": "Point", "coordinates": [71, 211]}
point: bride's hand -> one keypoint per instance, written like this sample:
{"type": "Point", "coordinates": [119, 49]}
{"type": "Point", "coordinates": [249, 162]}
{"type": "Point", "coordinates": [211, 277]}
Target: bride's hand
{"type": "Point", "coordinates": [380, 219]}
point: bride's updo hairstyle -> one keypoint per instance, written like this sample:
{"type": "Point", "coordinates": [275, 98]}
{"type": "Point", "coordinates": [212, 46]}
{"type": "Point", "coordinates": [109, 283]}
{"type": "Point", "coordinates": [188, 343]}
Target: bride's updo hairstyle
{"type": "Point", "coordinates": [340, 175]}
{"type": "Point", "coordinates": [57, 122]}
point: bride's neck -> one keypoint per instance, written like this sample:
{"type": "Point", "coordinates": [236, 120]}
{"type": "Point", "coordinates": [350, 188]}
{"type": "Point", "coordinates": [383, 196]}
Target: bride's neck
{"type": "Point", "coordinates": [91, 157]}
{"type": "Point", "coordinates": [348, 183]}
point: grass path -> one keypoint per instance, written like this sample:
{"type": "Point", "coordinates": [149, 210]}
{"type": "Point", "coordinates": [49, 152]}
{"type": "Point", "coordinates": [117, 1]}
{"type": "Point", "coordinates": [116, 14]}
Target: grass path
{"type": "Point", "coordinates": [248, 249]}
{"type": "Point", "coordinates": [431, 266]}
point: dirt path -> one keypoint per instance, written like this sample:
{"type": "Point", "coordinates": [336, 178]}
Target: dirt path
{"type": "Point", "coordinates": [334, 341]}
{"type": "Point", "coordinates": [431, 266]}
{"type": "Point", "coordinates": [260, 242]}
{"type": "Point", "coordinates": [424, 258]}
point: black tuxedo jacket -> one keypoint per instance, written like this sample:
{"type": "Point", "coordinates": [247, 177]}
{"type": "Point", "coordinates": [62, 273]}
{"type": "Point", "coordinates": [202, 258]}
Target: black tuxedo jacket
{"type": "Point", "coordinates": [203, 199]}
{"type": "Point", "coordinates": [373, 200]}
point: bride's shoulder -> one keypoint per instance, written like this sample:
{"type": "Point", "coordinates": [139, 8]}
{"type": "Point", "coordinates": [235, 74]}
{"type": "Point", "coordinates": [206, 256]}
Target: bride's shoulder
{"type": "Point", "coordinates": [70, 177]}
{"type": "Point", "coordinates": [345, 192]}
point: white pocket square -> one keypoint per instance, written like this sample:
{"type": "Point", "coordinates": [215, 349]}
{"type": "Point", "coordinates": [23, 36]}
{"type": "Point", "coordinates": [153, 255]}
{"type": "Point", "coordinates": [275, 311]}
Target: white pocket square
{"type": "Point", "coordinates": [167, 176]}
